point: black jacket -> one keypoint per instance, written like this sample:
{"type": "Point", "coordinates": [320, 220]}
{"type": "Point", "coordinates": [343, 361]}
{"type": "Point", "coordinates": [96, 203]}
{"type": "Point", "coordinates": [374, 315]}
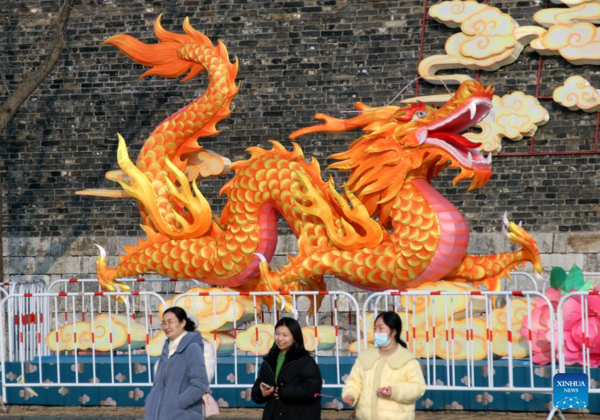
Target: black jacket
{"type": "Point", "coordinates": [299, 380]}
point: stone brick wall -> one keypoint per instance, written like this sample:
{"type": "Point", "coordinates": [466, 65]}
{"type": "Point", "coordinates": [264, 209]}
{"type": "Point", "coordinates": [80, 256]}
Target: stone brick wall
{"type": "Point", "coordinates": [297, 58]}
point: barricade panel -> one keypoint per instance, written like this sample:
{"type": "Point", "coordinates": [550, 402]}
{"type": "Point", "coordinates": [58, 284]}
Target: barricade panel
{"type": "Point", "coordinates": [578, 316]}
{"type": "Point", "coordinates": [49, 339]}
{"type": "Point", "coordinates": [246, 320]}
{"type": "Point", "coordinates": [474, 340]}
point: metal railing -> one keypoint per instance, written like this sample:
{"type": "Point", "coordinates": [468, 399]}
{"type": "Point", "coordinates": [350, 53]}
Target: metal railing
{"type": "Point", "coordinates": [283, 303]}
{"type": "Point", "coordinates": [449, 330]}
{"type": "Point", "coordinates": [90, 331]}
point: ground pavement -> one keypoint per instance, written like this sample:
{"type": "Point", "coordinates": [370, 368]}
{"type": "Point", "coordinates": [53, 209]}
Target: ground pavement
{"type": "Point", "coordinates": [29, 412]}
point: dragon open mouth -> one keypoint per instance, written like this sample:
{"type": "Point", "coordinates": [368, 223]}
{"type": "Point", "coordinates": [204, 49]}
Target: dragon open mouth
{"type": "Point", "coordinates": [445, 133]}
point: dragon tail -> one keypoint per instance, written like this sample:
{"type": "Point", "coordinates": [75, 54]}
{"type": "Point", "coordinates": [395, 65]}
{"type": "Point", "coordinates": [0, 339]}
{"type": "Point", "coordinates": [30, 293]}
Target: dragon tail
{"type": "Point", "coordinates": [163, 58]}
{"type": "Point", "coordinates": [172, 151]}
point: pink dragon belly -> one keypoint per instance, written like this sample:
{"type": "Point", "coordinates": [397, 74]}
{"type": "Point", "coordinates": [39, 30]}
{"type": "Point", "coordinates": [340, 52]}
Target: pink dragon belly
{"type": "Point", "coordinates": [454, 236]}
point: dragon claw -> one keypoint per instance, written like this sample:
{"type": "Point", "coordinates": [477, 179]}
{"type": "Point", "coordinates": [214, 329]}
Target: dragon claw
{"type": "Point", "coordinates": [505, 219]}
{"type": "Point", "coordinates": [102, 250]}
{"type": "Point", "coordinates": [106, 276]}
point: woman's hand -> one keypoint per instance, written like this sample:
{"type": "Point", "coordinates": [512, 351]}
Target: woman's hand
{"type": "Point", "coordinates": [349, 400]}
{"type": "Point", "coordinates": [385, 392]}
{"type": "Point", "coordinates": [266, 391]}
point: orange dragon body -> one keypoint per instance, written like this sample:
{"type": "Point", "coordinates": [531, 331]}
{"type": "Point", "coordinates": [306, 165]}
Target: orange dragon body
{"type": "Point", "coordinates": [389, 230]}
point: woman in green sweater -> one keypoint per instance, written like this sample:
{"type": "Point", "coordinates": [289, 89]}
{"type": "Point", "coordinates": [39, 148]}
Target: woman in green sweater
{"type": "Point", "coordinates": [289, 378]}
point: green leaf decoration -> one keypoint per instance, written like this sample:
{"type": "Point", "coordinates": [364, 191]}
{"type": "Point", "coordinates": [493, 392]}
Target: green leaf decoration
{"type": "Point", "coordinates": [557, 277]}
{"type": "Point", "coordinates": [573, 281]}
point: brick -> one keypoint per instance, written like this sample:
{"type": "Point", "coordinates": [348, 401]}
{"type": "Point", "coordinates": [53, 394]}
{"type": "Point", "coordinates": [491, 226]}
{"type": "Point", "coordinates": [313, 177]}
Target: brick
{"type": "Point", "coordinates": [564, 261]}
{"type": "Point", "coordinates": [584, 242]}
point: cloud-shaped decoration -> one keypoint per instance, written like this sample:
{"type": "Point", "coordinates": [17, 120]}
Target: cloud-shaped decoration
{"type": "Point", "coordinates": [490, 39]}
{"type": "Point", "coordinates": [136, 394]}
{"type": "Point", "coordinates": [108, 402]}
{"type": "Point", "coordinates": [516, 115]}
{"type": "Point", "coordinates": [427, 403]}
{"type": "Point", "coordinates": [139, 368]}
{"type": "Point", "coordinates": [578, 94]}
{"type": "Point", "coordinates": [125, 334]}
{"type": "Point", "coordinates": [454, 13]}
{"type": "Point", "coordinates": [454, 406]}
{"type": "Point", "coordinates": [79, 367]}
{"type": "Point", "coordinates": [84, 399]}
{"type": "Point", "coordinates": [484, 398]}
{"type": "Point", "coordinates": [257, 339]}
{"type": "Point", "coordinates": [542, 372]}
{"type": "Point", "coordinates": [30, 368]}
{"type": "Point", "coordinates": [219, 315]}
{"type": "Point", "coordinates": [27, 393]}
{"type": "Point", "coordinates": [484, 371]}
{"type": "Point", "coordinates": [527, 396]}
{"type": "Point", "coordinates": [578, 43]}
{"type": "Point", "coordinates": [246, 394]}
{"type": "Point", "coordinates": [588, 12]}
{"type": "Point", "coordinates": [572, 3]}
{"type": "Point", "coordinates": [250, 368]}
{"type": "Point", "coordinates": [48, 381]}
{"type": "Point", "coordinates": [335, 405]}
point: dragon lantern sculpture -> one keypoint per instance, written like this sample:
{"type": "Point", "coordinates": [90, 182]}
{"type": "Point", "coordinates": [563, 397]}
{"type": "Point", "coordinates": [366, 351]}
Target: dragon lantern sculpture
{"type": "Point", "coordinates": [389, 229]}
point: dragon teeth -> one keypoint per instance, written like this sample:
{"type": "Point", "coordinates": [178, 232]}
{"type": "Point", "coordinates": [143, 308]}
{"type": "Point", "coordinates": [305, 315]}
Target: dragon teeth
{"type": "Point", "coordinates": [489, 158]}
{"type": "Point", "coordinates": [423, 136]}
{"type": "Point", "coordinates": [473, 109]}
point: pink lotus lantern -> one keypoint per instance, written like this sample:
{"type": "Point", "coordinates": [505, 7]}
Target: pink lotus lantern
{"type": "Point", "coordinates": [581, 331]}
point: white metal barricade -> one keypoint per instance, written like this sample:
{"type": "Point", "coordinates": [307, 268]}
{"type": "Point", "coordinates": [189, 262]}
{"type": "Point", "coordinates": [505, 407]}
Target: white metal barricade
{"type": "Point", "coordinates": [140, 284]}
{"type": "Point", "coordinates": [583, 316]}
{"type": "Point", "coordinates": [280, 299]}
{"type": "Point", "coordinates": [80, 331]}
{"type": "Point", "coordinates": [458, 325]}
{"type": "Point", "coordinates": [518, 276]}
{"type": "Point", "coordinates": [25, 313]}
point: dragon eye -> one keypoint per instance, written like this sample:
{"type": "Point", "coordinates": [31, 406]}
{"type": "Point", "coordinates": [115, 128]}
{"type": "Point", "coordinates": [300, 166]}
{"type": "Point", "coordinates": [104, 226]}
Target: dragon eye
{"type": "Point", "coordinates": [419, 115]}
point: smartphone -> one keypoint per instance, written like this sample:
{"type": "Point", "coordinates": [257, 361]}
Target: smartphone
{"type": "Point", "coordinates": [264, 385]}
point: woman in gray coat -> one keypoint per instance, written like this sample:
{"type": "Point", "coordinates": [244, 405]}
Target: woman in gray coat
{"type": "Point", "coordinates": [180, 380]}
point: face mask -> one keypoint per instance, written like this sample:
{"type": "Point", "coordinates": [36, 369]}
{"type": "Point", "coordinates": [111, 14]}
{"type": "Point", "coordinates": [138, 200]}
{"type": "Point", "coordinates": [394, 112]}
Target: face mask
{"type": "Point", "coordinates": [382, 340]}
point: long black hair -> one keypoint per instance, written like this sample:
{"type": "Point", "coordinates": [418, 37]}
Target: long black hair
{"type": "Point", "coordinates": [393, 322]}
{"type": "Point", "coordinates": [296, 330]}
{"type": "Point", "coordinates": [181, 315]}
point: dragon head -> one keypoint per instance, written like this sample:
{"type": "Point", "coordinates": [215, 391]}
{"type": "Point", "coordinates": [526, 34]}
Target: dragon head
{"type": "Point", "coordinates": [405, 143]}
{"type": "Point", "coordinates": [432, 137]}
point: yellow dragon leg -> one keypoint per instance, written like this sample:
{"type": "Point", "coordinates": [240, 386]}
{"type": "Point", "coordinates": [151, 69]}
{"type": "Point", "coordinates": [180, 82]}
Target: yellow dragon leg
{"type": "Point", "coordinates": [272, 281]}
{"type": "Point", "coordinates": [106, 276]}
{"type": "Point", "coordinates": [488, 270]}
